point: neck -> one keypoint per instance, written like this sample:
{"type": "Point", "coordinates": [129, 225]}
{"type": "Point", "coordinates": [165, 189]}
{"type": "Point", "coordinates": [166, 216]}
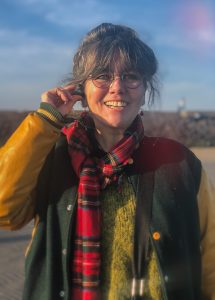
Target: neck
{"type": "Point", "coordinates": [108, 138]}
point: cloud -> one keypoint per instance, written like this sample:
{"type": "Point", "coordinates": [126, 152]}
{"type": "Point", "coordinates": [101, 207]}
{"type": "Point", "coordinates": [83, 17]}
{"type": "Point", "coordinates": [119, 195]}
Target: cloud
{"type": "Point", "coordinates": [30, 65]}
{"type": "Point", "coordinates": [76, 13]}
{"type": "Point", "coordinates": [20, 50]}
{"type": "Point", "coordinates": [201, 44]}
{"type": "Point", "coordinates": [207, 36]}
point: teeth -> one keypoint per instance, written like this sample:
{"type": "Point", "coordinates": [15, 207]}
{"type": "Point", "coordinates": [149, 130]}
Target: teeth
{"type": "Point", "coordinates": [116, 103]}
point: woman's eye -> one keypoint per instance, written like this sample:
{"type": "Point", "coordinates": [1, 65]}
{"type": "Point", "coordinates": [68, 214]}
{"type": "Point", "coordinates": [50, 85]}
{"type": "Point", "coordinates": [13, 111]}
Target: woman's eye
{"type": "Point", "coordinates": [105, 77]}
{"type": "Point", "coordinates": [131, 76]}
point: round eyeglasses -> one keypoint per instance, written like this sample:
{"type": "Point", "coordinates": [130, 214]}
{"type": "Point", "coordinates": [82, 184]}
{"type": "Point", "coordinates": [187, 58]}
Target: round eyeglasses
{"type": "Point", "coordinates": [103, 81]}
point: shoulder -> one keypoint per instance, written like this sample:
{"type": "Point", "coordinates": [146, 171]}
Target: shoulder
{"type": "Point", "coordinates": [156, 151]}
{"type": "Point", "coordinates": [165, 145]}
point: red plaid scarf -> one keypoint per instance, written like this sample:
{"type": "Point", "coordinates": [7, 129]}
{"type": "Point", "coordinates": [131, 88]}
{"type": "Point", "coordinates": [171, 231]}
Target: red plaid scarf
{"type": "Point", "coordinates": [94, 176]}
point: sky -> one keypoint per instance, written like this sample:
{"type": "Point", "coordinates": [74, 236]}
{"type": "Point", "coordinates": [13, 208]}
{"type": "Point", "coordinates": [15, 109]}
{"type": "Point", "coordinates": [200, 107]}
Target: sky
{"type": "Point", "coordinates": [38, 39]}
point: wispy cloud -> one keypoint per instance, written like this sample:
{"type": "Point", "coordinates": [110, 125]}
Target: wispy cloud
{"type": "Point", "coordinates": [19, 49]}
{"type": "Point", "coordinates": [30, 65]}
{"type": "Point", "coordinates": [76, 13]}
{"type": "Point", "coordinates": [201, 44]}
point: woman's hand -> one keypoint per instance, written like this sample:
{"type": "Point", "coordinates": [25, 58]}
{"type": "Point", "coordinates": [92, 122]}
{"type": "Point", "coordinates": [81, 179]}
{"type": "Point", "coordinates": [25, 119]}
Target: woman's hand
{"type": "Point", "coordinates": [61, 98]}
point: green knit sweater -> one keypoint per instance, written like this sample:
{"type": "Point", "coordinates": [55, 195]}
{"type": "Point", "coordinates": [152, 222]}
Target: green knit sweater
{"type": "Point", "coordinates": [117, 245]}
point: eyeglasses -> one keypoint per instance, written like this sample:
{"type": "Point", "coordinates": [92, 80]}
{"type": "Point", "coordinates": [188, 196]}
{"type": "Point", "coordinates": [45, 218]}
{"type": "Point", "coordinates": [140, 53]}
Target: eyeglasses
{"type": "Point", "coordinates": [104, 81]}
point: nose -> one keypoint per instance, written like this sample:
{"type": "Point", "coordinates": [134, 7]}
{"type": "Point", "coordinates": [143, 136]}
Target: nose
{"type": "Point", "coordinates": [117, 85]}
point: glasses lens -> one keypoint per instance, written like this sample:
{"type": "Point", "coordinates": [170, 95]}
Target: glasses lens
{"type": "Point", "coordinates": [102, 80]}
{"type": "Point", "coordinates": [131, 80]}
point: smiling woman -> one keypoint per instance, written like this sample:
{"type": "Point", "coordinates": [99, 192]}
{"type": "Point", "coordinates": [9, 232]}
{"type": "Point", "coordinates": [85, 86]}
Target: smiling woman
{"type": "Point", "coordinates": [114, 68]}
{"type": "Point", "coordinates": [118, 215]}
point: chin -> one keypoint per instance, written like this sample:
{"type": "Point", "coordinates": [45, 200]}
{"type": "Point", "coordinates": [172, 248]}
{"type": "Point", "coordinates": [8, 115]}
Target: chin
{"type": "Point", "coordinates": [118, 124]}
{"type": "Point", "coordinates": [114, 122]}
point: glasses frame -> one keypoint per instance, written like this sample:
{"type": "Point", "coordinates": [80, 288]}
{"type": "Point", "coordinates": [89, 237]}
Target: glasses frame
{"type": "Point", "coordinates": [107, 84]}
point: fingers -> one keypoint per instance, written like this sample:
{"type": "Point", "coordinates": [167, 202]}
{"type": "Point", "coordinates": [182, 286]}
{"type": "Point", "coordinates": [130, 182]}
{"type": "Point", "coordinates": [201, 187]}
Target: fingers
{"type": "Point", "coordinates": [61, 98]}
{"type": "Point", "coordinates": [64, 95]}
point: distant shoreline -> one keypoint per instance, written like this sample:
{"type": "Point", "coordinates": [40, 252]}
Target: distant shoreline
{"type": "Point", "coordinates": [191, 128]}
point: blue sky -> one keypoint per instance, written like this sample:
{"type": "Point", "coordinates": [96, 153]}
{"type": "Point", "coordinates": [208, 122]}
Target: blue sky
{"type": "Point", "coordinates": [39, 37]}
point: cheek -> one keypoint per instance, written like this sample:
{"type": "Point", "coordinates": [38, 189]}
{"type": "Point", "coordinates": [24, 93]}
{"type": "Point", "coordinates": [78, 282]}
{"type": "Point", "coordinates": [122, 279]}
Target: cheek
{"type": "Point", "coordinates": [88, 90]}
{"type": "Point", "coordinates": [93, 95]}
{"type": "Point", "coordinates": [141, 97]}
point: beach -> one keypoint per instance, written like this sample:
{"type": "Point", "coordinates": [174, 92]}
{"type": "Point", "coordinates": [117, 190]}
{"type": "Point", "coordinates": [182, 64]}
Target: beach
{"type": "Point", "coordinates": [13, 244]}
{"type": "Point", "coordinates": [207, 157]}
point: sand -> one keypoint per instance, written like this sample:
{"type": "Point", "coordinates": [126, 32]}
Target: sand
{"type": "Point", "coordinates": [207, 157]}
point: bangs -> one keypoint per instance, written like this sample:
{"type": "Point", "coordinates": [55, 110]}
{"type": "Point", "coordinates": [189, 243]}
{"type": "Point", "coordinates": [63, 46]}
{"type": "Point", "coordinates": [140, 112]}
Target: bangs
{"type": "Point", "coordinates": [113, 55]}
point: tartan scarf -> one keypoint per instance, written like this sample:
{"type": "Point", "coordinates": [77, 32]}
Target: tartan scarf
{"type": "Point", "coordinates": [94, 175]}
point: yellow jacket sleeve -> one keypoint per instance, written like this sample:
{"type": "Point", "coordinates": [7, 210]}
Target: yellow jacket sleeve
{"type": "Point", "coordinates": [206, 202]}
{"type": "Point", "coordinates": [21, 160]}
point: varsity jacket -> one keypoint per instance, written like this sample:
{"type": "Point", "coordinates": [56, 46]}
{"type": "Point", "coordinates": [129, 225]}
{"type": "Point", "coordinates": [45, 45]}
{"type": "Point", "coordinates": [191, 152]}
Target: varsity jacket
{"type": "Point", "coordinates": [37, 181]}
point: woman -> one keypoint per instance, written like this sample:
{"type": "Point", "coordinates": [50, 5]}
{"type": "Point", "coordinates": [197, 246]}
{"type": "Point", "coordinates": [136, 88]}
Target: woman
{"type": "Point", "coordinates": [117, 214]}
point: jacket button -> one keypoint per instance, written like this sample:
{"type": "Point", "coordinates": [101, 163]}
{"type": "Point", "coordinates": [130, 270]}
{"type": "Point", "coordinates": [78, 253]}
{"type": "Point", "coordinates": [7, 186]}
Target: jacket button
{"type": "Point", "coordinates": [166, 278]}
{"type": "Point", "coordinates": [64, 251]}
{"type": "Point", "coordinates": [62, 294]}
{"type": "Point", "coordinates": [69, 207]}
{"type": "Point", "coordinates": [130, 161]}
{"type": "Point", "coordinates": [156, 236]}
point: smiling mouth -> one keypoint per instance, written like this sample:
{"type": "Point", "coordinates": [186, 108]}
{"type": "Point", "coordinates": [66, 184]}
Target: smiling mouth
{"type": "Point", "coordinates": [116, 104]}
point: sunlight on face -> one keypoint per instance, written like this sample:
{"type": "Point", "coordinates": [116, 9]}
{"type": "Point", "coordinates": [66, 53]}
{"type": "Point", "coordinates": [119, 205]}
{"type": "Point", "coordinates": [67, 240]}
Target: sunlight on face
{"type": "Point", "coordinates": [114, 107]}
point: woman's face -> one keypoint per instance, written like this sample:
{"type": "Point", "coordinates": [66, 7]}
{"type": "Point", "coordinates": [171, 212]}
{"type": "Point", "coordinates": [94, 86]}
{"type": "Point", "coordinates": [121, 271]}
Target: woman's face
{"type": "Point", "coordinates": [116, 106]}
